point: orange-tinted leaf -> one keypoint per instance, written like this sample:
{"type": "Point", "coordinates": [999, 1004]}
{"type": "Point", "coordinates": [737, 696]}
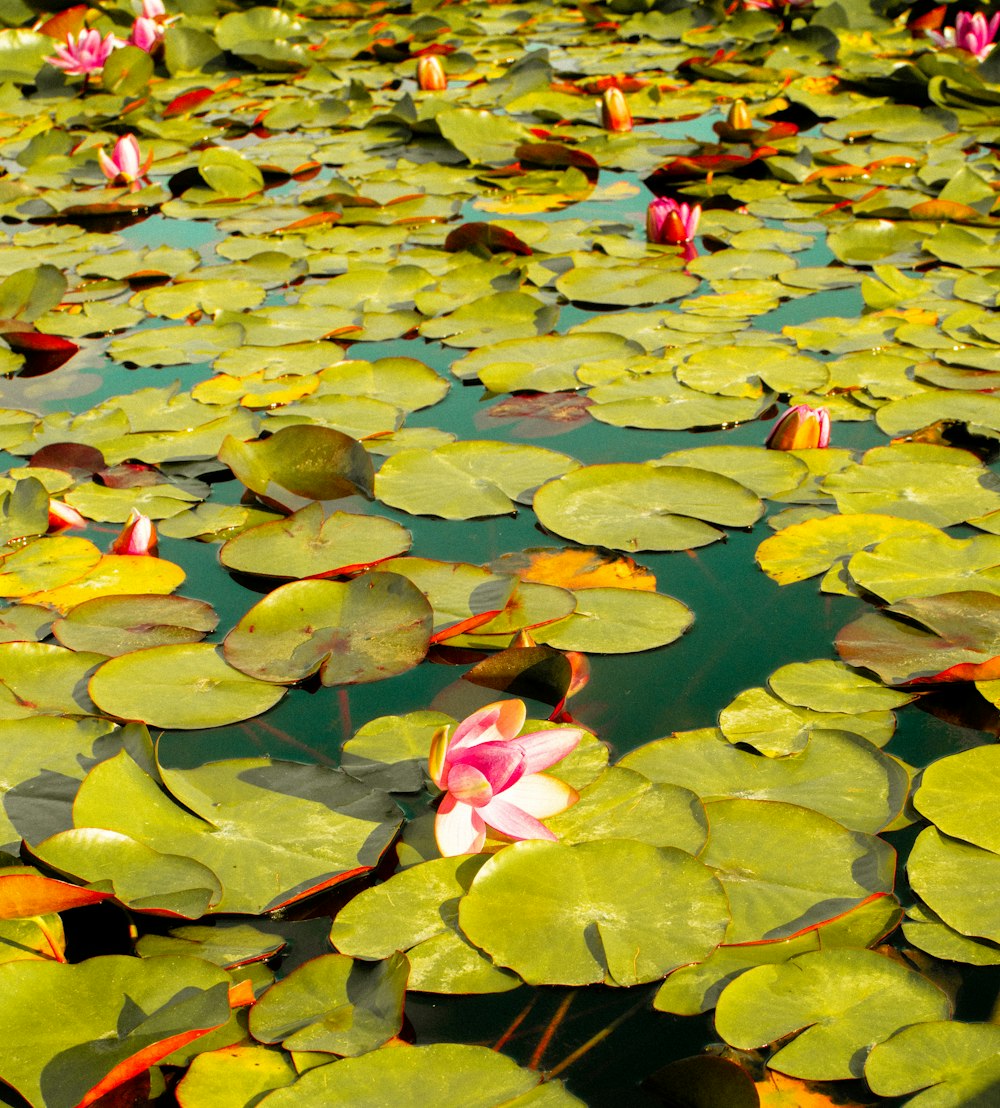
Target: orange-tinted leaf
{"type": "Point", "coordinates": [964, 671]}
{"type": "Point", "coordinates": [188, 101]}
{"type": "Point", "coordinates": [485, 236]}
{"type": "Point", "coordinates": [241, 994]}
{"type": "Point", "coordinates": [556, 155]}
{"type": "Point", "coordinates": [943, 209]}
{"type": "Point", "coordinates": [464, 626]}
{"type": "Point", "coordinates": [65, 23]}
{"type": "Point", "coordinates": [26, 893]}
{"type": "Point", "coordinates": [778, 1091]}
{"type": "Point", "coordinates": [576, 568]}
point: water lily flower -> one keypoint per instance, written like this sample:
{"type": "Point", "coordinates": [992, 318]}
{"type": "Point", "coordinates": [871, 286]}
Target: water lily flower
{"type": "Point", "coordinates": [431, 76]}
{"type": "Point", "coordinates": [615, 115]}
{"type": "Point", "coordinates": [146, 34]}
{"type": "Point", "coordinates": [152, 8]}
{"type": "Point", "coordinates": [138, 536]}
{"type": "Point", "coordinates": [670, 222]}
{"type": "Point", "coordinates": [62, 515]}
{"type": "Point", "coordinates": [84, 54]}
{"type": "Point", "coordinates": [490, 776]}
{"type": "Point", "coordinates": [972, 33]}
{"type": "Point", "coordinates": [801, 428]}
{"type": "Point", "coordinates": [774, 5]}
{"type": "Point", "coordinates": [125, 163]}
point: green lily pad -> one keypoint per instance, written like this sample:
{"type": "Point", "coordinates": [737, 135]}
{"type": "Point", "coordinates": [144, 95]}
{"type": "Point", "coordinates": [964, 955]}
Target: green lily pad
{"type": "Point", "coordinates": [273, 832]}
{"type": "Point", "coordinates": [838, 774]}
{"type": "Point", "coordinates": [958, 795]}
{"type": "Point", "coordinates": [657, 401]}
{"type": "Point", "coordinates": [308, 544]}
{"type": "Point", "coordinates": [115, 625]}
{"type": "Point", "coordinates": [113, 1017]}
{"type": "Point", "coordinates": [950, 876]}
{"type": "Point", "coordinates": [334, 1005]}
{"type": "Point", "coordinates": [637, 507]}
{"type": "Point", "coordinates": [450, 1073]}
{"type": "Point", "coordinates": [224, 943]}
{"type": "Point", "coordinates": [39, 678]}
{"type": "Point", "coordinates": [416, 911]}
{"type": "Point", "coordinates": [776, 890]}
{"type": "Point", "coordinates": [46, 563]}
{"type": "Point", "coordinates": [554, 913]}
{"type": "Point", "coordinates": [234, 1077]}
{"type": "Point", "coordinates": [846, 1001]}
{"type": "Point", "coordinates": [505, 315]}
{"type": "Point", "coordinates": [618, 621]}
{"type": "Point", "coordinates": [948, 1065]}
{"type": "Point", "coordinates": [826, 686]}
{"type": "Point", "coordinates": [605, 281]}
{"type": "Point", "coordinates": [180, 686]}
{"type": "Point", "coordinates": [366, 629]}
{"type": "Point", "coordinates": [464, 480]}
{"type": "Point", "coordinates": [765, 472]}
{"type": "Point", "coordinates": [928, 932]}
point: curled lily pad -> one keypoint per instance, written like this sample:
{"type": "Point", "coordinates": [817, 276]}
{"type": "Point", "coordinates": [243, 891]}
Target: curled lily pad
{"type": "Point", "coordinates": [555, 914]}
{"type": "Point", "coordinates": [184, 686]}
{"type": "Point", "coordinates": [365, 629]}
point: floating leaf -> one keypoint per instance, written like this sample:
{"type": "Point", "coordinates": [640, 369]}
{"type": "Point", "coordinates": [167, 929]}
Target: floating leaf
{"type": "Point", "coordinates": [372, 627]}
{"type": "Point", "coordinates": [846, 1000]}
{"type": "Point", "coordinates": [618, 621]}
{"type": "Point", "coordinates": [958, 795]}
{"type": "Point", "coordinates": [116, 625]}
{"type": "Point", "coordinates": [183, 686]}
{"type": "Point", "coordinates": [234, 1076]}
{"type": "Point", "coordinates": [307, 544]}
{"type": "Point", "coordinates": [554, 913]}
{"type": "Point", "coordinates": [949, 876]}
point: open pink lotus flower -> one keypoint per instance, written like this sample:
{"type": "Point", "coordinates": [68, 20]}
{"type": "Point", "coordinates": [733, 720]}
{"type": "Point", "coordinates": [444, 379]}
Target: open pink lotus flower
{"type": "Point", "coordinates": [125, 163]}
{"type": "Point", "coordinates": [86, 53]}
{"type": "Point", "coordinates": [671, 223]}
{"type": "Point", "coordinates": [138, 536]}
{"type": "Point", "coordinates": [972, 33]}
{"type": "Point", "coordinates": [490, 776]}
{"type": "Point", "coordinates": [615, 114]}
{"type": "Point", "coordinates": [801, 428]}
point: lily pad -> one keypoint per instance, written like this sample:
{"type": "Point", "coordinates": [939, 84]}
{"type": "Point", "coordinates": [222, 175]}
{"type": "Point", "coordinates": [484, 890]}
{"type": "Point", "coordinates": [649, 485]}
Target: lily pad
{"type": "Point", "coordinates": [553, 912]}
{"type": "Point", "coordinates": [958, 795]}
{"type": "Point", "coordinates": [116, 625]}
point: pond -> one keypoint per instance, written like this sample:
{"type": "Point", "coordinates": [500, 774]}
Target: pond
{"type": "Point", "coordinates": [624, 367]}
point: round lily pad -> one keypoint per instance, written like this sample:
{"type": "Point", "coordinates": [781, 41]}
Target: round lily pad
{"type": "Point", "coordinates": [638, 507]}
{"type": "Point", "coordinates": [959, 795]}
{"type": "Point", "coordinates": [366, 629]}
{"type": "Point", "coordinates": [116, 625]}
{"type": "Point", "coordinates": [185, 686]}
{"type": "Point", "coordinates": [559, 914]}
{"type": "Point", "coordinates": [618, 621]}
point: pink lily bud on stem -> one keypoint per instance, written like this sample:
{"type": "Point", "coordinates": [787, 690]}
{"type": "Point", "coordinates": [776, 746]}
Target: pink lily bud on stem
{"type": "Point", "coordinates": [151, 9]}
{"type": "Point", "coordinates": [125, 163]}
{"type": "Point", "coordinates": [431, 76]}
{"type": "Point", "coordinates": [490, 776]}
{"type": "Point", "coordinates": [138, 536]}
{"type": "Point", "coordinates": [146, 34]}
{"type": "Point", "coordinates": [615, 114]}
{"type": "Point", "coordinates": [670, 223]}
{"type": "Point", "coordinates": [62, 515]}
{"type": "Point", "coordinates": [801, 428]}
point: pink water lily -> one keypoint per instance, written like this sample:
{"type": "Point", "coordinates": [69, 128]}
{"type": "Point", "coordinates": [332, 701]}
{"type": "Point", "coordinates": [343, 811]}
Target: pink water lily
{"type": "Point", "coordinates": [125, 163]}
{"type": "Point", "coordinates": [801, 428]}
{"type": "Point", "coordinates": [151, 9]}
{"type": "Point", "coordinates": [86, 53]}
{"type": "Point", "coordinates": [138, 536]}
{"type": "Point", "coordinates": [490, 776]}
{"type": "Point", "coordinates": [972, 33]}
{"type": "Point", "coordinates": [146, 34]}
{"type": "Point", "coordinates": [671, 223]}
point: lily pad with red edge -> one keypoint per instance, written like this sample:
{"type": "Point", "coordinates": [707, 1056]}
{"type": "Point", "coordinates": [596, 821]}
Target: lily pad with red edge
{"type": "Point", "coordinates": [108, 1018]}
{"type": "Point", "coordinates": [372, 627]}
{"type": "Point", "coordinates": [25, 892]}
{"type": "Point", "coordinates": [223, 942]}
{"type": "Point", "coordinates": [695, 989]}
{"type": "Point", "coordinates": [273, 832]}
{"type": "Point", "coordinates": [553, 913]}
{"type": "Point", "coordinates": [845, 1000]}
{"type": "Point", "coordinates": [479, 237]}
{"type": "Point", "coordinates": [952, 637]}
{"type": "Point", "coordinates": [775, 889]}
{"type": "Point", "coordinates": [310, 544]}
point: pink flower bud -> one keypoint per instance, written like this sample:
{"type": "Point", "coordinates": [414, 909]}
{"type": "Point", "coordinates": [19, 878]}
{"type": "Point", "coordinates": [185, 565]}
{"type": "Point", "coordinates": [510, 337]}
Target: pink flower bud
{"type": "Point", "coordinates": [801, 428]}
{"type": "Point", "coordinates": [147, 34]}
{"type": "Point", "coordinates": [138, 536]}
{"type": "Point", "coordinates": [671, 223]}
{"type": "Point", "coordinates": [62, 515]}
{"type": "Point", "coordinates": [125, 163]}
